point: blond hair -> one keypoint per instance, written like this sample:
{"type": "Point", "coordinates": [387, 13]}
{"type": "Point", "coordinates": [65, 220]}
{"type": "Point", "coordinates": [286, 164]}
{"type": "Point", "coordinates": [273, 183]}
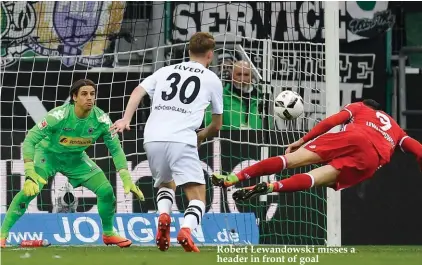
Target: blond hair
{"type": "Point", "coordinates": [200, 43]}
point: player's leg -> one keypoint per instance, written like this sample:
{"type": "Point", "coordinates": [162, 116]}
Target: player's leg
{"type": "Point", "coordinates": [322, 176]}
{"type": "Point", "coordinates": [165, 198]}
{"type": "Point", "coordinates": [272, 165]}
{"type": "Point", "coordinates": [106, 203]}
{"type": "Point", "coordinates": [163, 180]}
{"type": "Point", "coordinates": [44, 168]}
{"type": "Point", "coordinates": [84, 172]}
{"type": "Point", "coordinates": [351, 159]}
{"type": "Point", "coordinates": [195, 193]}
{"type": "Point", "coordinates": [188, 173]}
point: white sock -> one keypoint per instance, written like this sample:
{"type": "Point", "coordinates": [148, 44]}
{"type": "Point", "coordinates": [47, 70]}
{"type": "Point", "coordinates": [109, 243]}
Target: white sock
{"type": "Point", "coordinates": [193, 214]}
{"type": "Point", "coordinates": [165, 199]}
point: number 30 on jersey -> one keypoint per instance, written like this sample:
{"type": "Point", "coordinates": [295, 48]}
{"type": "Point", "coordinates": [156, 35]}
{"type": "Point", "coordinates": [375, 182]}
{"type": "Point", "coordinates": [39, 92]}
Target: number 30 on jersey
{"type": "Point", "coordinates": [175, 77]}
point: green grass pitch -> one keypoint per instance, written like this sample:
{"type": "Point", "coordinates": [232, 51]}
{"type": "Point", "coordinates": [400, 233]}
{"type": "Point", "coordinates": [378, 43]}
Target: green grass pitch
{"type": "Point", "coordinates": [365, 255]}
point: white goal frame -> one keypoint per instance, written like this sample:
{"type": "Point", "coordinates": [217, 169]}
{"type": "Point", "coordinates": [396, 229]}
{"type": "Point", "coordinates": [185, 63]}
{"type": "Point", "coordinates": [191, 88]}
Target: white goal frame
{"type": "Point", "coordinates": [332, 95]}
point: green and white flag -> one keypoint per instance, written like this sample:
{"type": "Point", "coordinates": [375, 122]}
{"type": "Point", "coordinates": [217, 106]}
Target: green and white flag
{"type": "Point", "coordinates": [367, 19]}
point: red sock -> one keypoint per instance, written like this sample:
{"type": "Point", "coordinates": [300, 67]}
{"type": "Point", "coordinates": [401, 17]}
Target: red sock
{"type": "Point", "coordinates": [296, 182]}
{"type": "Point", "coordinates": [262, 168]}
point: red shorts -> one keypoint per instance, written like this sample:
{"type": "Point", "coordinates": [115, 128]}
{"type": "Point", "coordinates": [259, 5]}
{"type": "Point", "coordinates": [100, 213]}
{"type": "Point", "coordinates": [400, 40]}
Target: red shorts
{"type": "Point", "coordinates": [347, 151]}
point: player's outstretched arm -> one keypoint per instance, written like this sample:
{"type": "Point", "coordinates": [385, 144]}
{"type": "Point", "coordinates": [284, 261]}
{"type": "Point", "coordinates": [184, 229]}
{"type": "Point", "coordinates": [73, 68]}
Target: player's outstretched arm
{"type": "Point", "coordinates": [410, 145]}
{"type": "Point", "coordinates": [119, 158]}
{"type": "Point", "coordinates": [34, 136]}
{"type": "Point", "coordinates": [321, 128]}
{"type": "Point", "coordinates": [135, 98]}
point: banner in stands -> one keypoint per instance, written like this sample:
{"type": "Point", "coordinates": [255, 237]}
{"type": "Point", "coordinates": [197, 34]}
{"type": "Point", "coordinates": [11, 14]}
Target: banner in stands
{"type": "Point", "coordinates": [85, 229]}
{"type": "Point", "coordinates": [62, 28]}
{"type": "Point", "coordinates": [289, 20]}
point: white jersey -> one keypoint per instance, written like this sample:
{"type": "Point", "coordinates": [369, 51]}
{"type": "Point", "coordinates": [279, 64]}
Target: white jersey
{"type": "Point", "coordinates": [180, 94]}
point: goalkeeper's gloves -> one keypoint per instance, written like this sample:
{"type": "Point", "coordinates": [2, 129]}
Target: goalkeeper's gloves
{"type": "Point", "coordinates": [129, 186]}
{"type": "Point", "coordinates": [32, 180]}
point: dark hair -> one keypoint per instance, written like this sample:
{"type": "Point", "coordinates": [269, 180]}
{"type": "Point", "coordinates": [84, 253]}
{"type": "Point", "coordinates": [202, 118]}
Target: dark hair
{"type": "Point", "coordinates": [201, 42]}
{"type": "Point", "coordinates": [372, 104]}
{"type": "Point", "coordinates": [74, 89]}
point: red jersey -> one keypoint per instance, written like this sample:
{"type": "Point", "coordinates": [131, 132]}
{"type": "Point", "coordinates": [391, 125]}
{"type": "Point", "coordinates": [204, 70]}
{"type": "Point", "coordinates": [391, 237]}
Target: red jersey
{"type": "Point", "coordinates": [377, 126]}
{"type": "Point", "coordinates": [366, 133]}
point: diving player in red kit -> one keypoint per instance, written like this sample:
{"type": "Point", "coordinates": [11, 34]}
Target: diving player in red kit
{"type": "Point", "coordinates": [365, 144]}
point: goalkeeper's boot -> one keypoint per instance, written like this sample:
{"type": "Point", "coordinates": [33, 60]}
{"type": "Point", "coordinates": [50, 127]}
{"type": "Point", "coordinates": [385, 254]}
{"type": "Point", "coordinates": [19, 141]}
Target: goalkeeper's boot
{"type": "Point", "coordinates": [2, 242]}
{"type": "Point", "coordinates": [184, 238]}
{"type": "Point", "coordinates": [163, 232]}
{"type": "Point", "coordinates": [117, 240]}
{"type": "Point", "coordinates": [250, 192]}
{"type": "Point", "coordinates": [224, 180]}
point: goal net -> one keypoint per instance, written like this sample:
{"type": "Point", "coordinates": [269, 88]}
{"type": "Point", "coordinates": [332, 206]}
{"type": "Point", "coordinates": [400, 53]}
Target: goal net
{"type": "Point", "coordinates": [120, 46]}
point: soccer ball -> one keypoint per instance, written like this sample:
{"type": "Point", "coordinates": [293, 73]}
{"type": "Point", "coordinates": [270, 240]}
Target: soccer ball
{"type": "Point", "coordinates": [288, 105]}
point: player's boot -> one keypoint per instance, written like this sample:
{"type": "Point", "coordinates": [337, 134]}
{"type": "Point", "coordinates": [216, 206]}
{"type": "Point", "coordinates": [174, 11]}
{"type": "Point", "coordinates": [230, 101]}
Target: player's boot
{"type": "Point", "coordinates": [163, 232]}
{"type": "Point", "coordinates": [117, 240]}
{"type": "Point", "coordinates": [250, 192]}
{"type": "Point", "coordinates": [2, 242]}
{"type": "Point", "coordinates": [224, 180]}
{"type": "Point", "coordinates": [184, 238]}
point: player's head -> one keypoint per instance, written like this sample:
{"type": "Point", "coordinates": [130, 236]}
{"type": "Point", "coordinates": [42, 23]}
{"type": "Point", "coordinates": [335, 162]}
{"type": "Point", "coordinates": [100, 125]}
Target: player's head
{"type": "Point", "coordinates": [201, 47]}
{"type": "Point", "coordinates": [82, 94]}
{"type": "Point", "coordinates": [242, 75]}
{"type": "Point", "coordinates": [372, 104]}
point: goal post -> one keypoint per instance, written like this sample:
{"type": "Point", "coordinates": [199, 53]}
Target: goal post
{"type": "Point", "coordinates": [332, 94]}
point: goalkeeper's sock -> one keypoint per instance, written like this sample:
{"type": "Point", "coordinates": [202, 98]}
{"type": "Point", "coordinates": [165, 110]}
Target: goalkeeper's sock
{"type": "Point", "coordinates": [193, 214]}
{"type": "Point", "coordinates": [265, 167]}
{"type": "Point", "coordinates": [106, 202]}
{"type": "Point", "coordinates": [296, 182]}
{"type": "Point", "coordinates": [16, 209]}
{"type": "Point", "coordinates": [165, 199]}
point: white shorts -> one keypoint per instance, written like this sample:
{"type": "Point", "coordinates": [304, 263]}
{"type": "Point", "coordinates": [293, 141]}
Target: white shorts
{"type": "Point", "coordinates": [174, 161]}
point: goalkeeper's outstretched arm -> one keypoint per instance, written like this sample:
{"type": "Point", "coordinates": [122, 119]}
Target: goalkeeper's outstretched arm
{"type": "Point", "coordinates": [116, 151]}
{"type": "Point", "coordinates": [34, 136]}
{"type": "Point", "coordinates": [112, 142]}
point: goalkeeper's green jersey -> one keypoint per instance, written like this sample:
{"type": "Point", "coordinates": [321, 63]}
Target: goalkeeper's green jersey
{"type": "Point", "coordinates": [61, 132]}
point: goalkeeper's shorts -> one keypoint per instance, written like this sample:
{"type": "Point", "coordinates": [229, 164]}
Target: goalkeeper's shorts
{"type": "Point", "coordinates": [350, 153]}
{"type": "Point", "coordinates": [78, 168]}
{"type": "Point", "coordinates": [170, 161]}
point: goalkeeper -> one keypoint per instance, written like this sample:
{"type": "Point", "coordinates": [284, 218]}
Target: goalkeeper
{"type": "Point", "coordinates": [57, 144]}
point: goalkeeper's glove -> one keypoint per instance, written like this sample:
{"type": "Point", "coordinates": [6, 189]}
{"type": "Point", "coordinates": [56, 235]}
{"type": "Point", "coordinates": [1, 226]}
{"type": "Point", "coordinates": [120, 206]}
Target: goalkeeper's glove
{"type": "Point", "coordinates": [129, 186]}
{"type": "Point", "coordinates": [32, 180]}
